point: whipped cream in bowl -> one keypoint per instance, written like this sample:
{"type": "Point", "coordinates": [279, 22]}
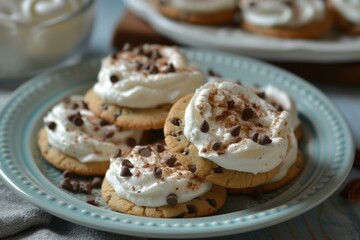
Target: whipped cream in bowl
{"type": "Point", "coordinates": [147, 175]}
{"type": "Point", "coordinates": [146, 76]}
{"type": "Point", "coordinates": [233, 127]}
{"type": "Point", "coordinates": [39, 34]}
{"type": "Point", "coordinates": [75, 131]}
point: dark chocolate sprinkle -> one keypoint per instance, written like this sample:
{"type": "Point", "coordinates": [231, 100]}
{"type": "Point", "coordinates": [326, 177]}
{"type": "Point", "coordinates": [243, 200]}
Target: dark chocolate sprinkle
{"type": "Point", "coordinates": [218, 170]}
{"type": "Point", "coordinates": [204, 126]}
{"type": "Point", "coordinates": [261, 95]}
{"type": "Point", "coordinates": [145, 152]}
{"type": "Point", "coordinates": [230, 104]}
{"type": "Point", "coordinates": [90, 199]}
{"type": "Point", "coordinates": [127, 163]}
{"type": "Point", "coordinates": [77, 121]}
{"type": "Point", "coordinates": [86, 187]}
{"type": "Point", "coordinates": [114, 78]}
{"type": "Point", "coordinates": [68, 174]}
{"type": "Point", "coordinates": [247, 114]}
{"type": "Point", "coordinates": [255, 137]}
{"type": "Point", "coordinates": [170, 68]}
{"type": "Point", "coordinates": [212, 202]}
{"type": "Point", "coordinates": [175, 121]}
{"type": "Point", "coordinates": [96, 182]}
{"type": "Point", "coordinates": [75, 185]}
{"type": "Point", "coordinates": [171, 199]}
{"type": "Point", "coordinates": [157, 172]}
{"type": "Point", "coordinates": [191, 209]}
{"type": "Point", "coordinates": [65, 184]}
{"type": "Point", "coordinates": [125, 172]}
{"type": "Point", "coordinates": [264, 140]}
{"type": "Point", "coordinates": [85, 105]}
{"type": "Point", "coordinates": [235, 130]}
{"type": "Point", "coordinates": [153, 69]}
{"type": "Point", "coordinates": [212, 73]}
{"type": "Point", "coordinates": [118, 153]}
{"type": "Point", "coordinates": [192, 168]}
{"type": "Point", "coordinates": [51, 125]}
{"type": "Point", "coordinates": [130, 142]}
{"type": "Point", "coordinates": [159, 148]}
{"type": "Point", "coordinates": [216, 146]}
{"type": "Point", "coordinates": [170, 161]}
{"type": "Point", "coordinates": [103, 122]}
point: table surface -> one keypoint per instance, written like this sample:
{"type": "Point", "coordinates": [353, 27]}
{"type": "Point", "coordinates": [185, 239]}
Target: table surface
{"type": "Point", "coordinates": [335, 218]}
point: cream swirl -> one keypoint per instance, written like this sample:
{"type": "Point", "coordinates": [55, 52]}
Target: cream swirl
{"type": "Point", "coordinates": [282, 100]}
{"type": "Point", "coordinates": [290, 159]}
{"type": "Point", "coordinates": [203, 6]}
{"type": "Point", "coordinates": [146, 77]}
{"type": "Point", "coordinates": [349, 9]}
{"type": "Point", "coordinates": [147, 176]}
{"type": "Point", "coordinates": [77, 132]}
{"type": "Point", "coordinates": [284, 13]}
{"type": "Point", "coordinates": [233, 127]}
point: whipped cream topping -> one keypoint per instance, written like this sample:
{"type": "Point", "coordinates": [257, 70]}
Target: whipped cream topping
{"type": "Point", "coordinates": [282, 101]}
{"type": "Point", "coordinates": [290, 159]}
{"type": "Point", "coordinates": [230, 125]}
{"type": "Point", "coordinates": [147, 175]}
{"type": "Point", "coordinates": [74, 130]}
{"type": "Point", "coordinates": [349, 9]}
{"type": "Point", "coordinates": [146, 76]}
{"type": "Point", "coordinates": [20, 13]}
{"type": "Point", "coordinates": [203, 6]}
{"type": "Point", "coordinates": [285, 13]}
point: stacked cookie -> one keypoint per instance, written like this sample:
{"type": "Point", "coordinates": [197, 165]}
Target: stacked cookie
{"type": "Point", "coordinates": [219, 136]}
{"type": "Point", "coordinates": [280, 18]}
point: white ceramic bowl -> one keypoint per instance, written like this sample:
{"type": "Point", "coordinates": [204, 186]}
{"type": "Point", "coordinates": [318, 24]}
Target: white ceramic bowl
{"type": "Point", "coordinates": [27, 49]}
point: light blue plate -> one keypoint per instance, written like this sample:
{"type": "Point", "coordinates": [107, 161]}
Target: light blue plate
{"type": "Point", "coordinates": [327, 146]}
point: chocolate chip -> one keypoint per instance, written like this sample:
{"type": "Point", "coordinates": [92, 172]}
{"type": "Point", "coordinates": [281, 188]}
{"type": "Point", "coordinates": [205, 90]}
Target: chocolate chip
{"type": "Point", "coordinates": [153, 69]}
{"type": "Point", "coordinates": [159, 148]}
{"type": "Point", "coordinates": [126, 47]}
{"type": "Point", "coordinates": [86, 187]}
{"type": "Point", "coordinates": [192, 168]}
{"type": "Point", "coordinates": [261, 95]}
{"type": "Point", "coordinates": [247, 114]}
{"type": "Point", "coordinates": [68, 174]}
{"type": "Point", "coordinates": [191, 209]}
{"type": "Point", "coordinates": [204, 126]}
{"type": "Point", "coordinates": [90, 199]}
{"type": "Point", "coordinates": [171, 199]}
{"type": "Point", "coordinates": [170, 161]}
{"type": "Point", "coordinates": [185, 151]}
{"type": "Point", "coordinates": [145, 152]}
{"type": "Point", "coordinates": [230, 104]}
{"type": "Point", "coordinates": [96, 182]}
{"type": "Point", "coordinates": [216, 146]}
{"type": "Point", "coordinates": [235, 130]}
{"type": "Point", "coordinates": [127, 163]}
{"type": "Point", "coordinates": [138, 65]}
{"type": "Point", "coordinates": [103, 122]}
{"type": "Point", "coordinates": [264, 140]}
{"type": "Point", "coordinates": [118, 153]}
{"type": "Point", "coordinates": [51, 125]}
{"type": "Point", "coordinates": [75, 185]}
{"type": "Point", "coordinates": [212, 202]}
{"type": "Point", "coordinates": [114, 78]}
{"type": "Point", "coordinates": [218, 170]}
{"type": "Point", "coordinates": [125, 172]}
{"type": "Point", "coordinates": [255, 137]}
{"type": "Point", "coordinates": [170, 68]}
{"type": "Point", "coordinates": [130, 142]}
{"type": "Point", "coordinates": [157, 172]}
{"type": "Point", "coordinates": [85, 105]}
{"type": "Point", "coordinates": [212, 73]}
{"type": "Point", "coordinates": [175, 121]}
{"type": "Point", "coordinates": [65, 184]}
{"type": "Point", "coordinates": [77, 121]}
